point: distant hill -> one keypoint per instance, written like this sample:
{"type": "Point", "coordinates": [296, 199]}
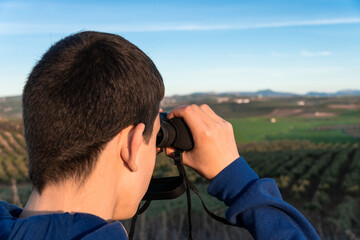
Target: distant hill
{"type": "Point", "coordinates": [341, 93]}
{"type": "Point", "coordinates": [271, 93]}
{"type": "Point", "coordinates": [10, 107]}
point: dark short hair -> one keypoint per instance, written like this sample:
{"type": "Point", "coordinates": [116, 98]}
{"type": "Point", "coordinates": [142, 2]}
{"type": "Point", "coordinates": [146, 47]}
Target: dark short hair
{"type": "Point", "coordinates": [84, 90]}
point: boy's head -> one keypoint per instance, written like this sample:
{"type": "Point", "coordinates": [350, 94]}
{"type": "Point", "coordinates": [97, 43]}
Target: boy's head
{"type": "Point", "coordinates": [85, 89]}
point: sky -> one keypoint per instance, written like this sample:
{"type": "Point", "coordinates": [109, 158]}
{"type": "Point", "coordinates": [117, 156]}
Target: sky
{"type": "Point", "coordinates": [200, 46]}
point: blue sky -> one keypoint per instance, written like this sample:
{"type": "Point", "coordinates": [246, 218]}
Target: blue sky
{"type": "Point", "coordinates": [296, 46]}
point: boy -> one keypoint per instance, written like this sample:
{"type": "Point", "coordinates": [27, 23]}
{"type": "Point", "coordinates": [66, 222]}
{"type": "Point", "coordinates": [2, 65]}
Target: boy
{"type": "Point", "coordinates": [91, 117]}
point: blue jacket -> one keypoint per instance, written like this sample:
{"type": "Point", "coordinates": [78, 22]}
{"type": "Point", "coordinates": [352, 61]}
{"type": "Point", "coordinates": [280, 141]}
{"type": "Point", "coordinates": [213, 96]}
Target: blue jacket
{"type": "Point", "coordinates": [254, 203]}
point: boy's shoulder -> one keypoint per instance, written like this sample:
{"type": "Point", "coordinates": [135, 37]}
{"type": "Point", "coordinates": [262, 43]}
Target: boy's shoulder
{"type": "Point", "coordinates": [56, 226]}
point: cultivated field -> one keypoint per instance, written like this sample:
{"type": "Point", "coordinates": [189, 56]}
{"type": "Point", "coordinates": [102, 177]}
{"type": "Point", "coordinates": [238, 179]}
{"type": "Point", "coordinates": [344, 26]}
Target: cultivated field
{"type": "Point", "coordinates": [310, 146]}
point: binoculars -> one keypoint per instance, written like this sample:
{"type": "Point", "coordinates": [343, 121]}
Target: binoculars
{"type": "Point", "coordinates": [173, 133]}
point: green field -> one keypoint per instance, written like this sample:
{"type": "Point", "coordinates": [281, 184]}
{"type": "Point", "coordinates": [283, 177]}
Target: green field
{"type": "Point", "coordinates": [257, 129]}
{"type": "Point", "coordinates": [311, 151]}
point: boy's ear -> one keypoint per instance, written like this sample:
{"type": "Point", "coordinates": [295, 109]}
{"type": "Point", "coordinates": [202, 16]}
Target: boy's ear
{"type": "Point", "coordinates": [134, 140]}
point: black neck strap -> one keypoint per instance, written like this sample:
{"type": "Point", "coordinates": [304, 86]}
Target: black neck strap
{"type": "Point", "coordinates": [188, 186]}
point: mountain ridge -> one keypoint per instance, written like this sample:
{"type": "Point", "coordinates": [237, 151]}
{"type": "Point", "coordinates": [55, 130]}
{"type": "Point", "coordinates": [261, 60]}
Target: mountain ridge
{"type": "Point", "coordinates": [262, 92]}
{"type": "Point", "coordinates": [271, 93]}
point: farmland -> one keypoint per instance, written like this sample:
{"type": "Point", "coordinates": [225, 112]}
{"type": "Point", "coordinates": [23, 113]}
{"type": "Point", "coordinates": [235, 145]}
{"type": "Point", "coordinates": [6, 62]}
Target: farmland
{"type": "Point", "coordinates": [310, 146]}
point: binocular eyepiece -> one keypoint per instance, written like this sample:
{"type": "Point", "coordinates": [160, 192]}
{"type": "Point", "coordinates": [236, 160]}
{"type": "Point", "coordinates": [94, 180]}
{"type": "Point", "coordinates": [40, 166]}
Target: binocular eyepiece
{"type": "Point", "coordinates": [174, 133]}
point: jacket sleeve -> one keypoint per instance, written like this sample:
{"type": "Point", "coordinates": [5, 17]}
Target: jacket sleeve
{"type": "Point", "coordinates": [256, 204]}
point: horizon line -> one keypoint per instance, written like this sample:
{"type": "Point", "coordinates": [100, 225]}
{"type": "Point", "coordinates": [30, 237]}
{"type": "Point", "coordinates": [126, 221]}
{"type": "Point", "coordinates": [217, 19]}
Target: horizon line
{"type": "Point", "coordinates": [234, 92]}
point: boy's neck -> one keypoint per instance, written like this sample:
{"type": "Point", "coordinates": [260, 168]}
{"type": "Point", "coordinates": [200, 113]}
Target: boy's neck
{"type": "Point", "coordinates": [66, 198]}
{"type": "Point", "coordinates": [111, 191]}
{"type": "Point", "coordinates": [97, 195]}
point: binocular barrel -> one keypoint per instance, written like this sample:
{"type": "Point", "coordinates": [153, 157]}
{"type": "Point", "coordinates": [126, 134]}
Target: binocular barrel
{"type": "Point", "coordinates": [174, 133]}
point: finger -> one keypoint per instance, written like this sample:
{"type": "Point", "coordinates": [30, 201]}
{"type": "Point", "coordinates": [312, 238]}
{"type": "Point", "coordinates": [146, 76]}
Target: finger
{"type": "Point", "coordinates": [159, 150]}
{"type": "Point", "coordinates": [191, 116]}
{"type": "Point", "coordinates": [176, 112]}
{"type": "Point", "coordinates": [205, 117]}
{"type": "Point", "coordinates": [170, 151]}
{"type": "Point", "coordinates": [211, 113]}
{"type": "Point", "coordinates": [196, 113]}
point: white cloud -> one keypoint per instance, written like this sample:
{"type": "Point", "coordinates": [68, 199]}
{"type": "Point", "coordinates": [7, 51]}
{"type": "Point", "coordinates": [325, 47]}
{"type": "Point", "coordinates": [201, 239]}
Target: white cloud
{"type": "Point", "coordinates": [315, 54]}
{"type": "Point", "coordinates": [29, 28]}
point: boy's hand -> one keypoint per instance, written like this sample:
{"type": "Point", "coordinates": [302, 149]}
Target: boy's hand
{"type": "Point", "coordinates": [214, 142]}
